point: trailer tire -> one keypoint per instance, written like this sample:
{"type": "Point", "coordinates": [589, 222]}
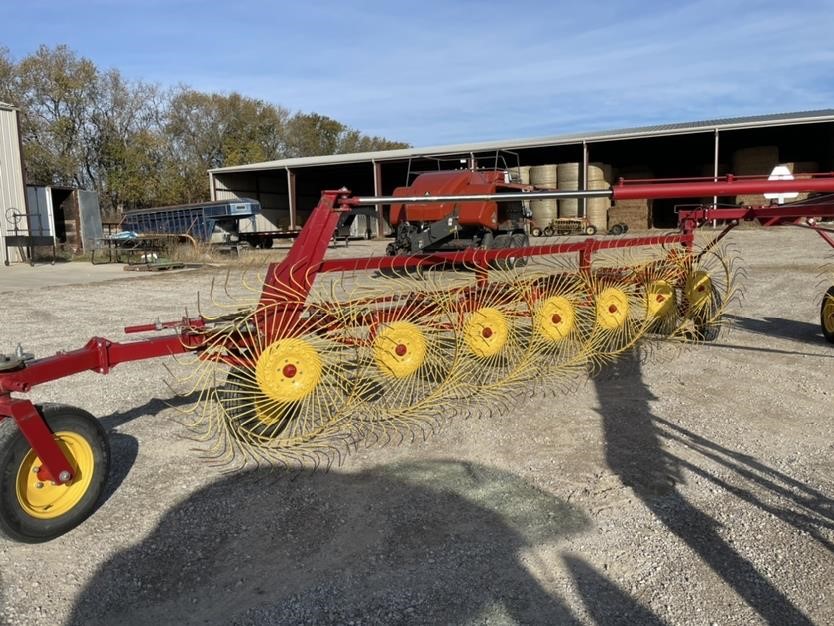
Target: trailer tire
{"type": "Point", "coordinates": [548, 232]}
{"type": "Point", "coordinates": [266, 243]}
{"type": "Point", "coordinates": [33, 511]}
{"type": "Point", "coordinates": [617, 229]}
{"type": "Point", "coordinates": [827, 315]}
{"type": "Point", "coordinates": [536, 232]}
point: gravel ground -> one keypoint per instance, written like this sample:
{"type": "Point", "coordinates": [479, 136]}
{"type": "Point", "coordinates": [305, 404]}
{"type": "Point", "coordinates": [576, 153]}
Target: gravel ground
{"type": "Point", "coordinates": [692, 487]}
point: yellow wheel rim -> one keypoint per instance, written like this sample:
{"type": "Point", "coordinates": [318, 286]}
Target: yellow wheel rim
{"type": "Point", "coordinates": [698, 289]}
{"type": "Point", "coordinates": [486, 332]}
{"type": "Point", "coordinates": [612, 308]}
{"type": "Point", "coordinates": [44, 500]}
{"type": "Point", "coordinates": [288, 370]}
{"type": "Point", "coordinates": [660, 299]}
{"type": "Point", "coordinates": [828, 315]}
{"type": "Point", "coordinates": [556, 318]}
{"type": "Point", "coordinates": [400, 349]}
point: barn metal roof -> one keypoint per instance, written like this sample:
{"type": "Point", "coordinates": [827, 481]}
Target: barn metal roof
{"type": "Point", "coordinates": [729, 123]}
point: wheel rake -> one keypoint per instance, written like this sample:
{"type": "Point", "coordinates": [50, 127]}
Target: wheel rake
{"type": "Point", "coordinates": [376, 358]}
{"type": "Point", "coordinates": [313, 356]}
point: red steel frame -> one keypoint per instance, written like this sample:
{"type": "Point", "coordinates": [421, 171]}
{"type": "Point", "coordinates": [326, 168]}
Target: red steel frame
{"type": "Point", "coordinates": [305, 261]}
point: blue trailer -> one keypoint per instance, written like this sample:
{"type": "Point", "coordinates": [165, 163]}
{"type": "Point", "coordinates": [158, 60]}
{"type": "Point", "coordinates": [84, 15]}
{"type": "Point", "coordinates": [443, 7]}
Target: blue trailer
{"type": "Point", "coordinates": [209, 222]}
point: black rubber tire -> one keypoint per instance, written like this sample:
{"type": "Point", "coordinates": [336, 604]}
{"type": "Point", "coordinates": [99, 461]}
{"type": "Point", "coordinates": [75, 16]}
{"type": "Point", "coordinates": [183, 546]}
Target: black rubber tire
{"type": "Point", "coordinates": [266, 243]}
{"type": "Point", "coordinates": [625, 228]}
{"type": "Point", "coordinates": [548, 232]}
{"type": "Point", "coordinates": [617, 229]}
{"type": "Point", "coordinates": [536, 232]}
{"type": "Point", "coordinates": [591, 230]}
{"type": "Point", "coordinates": [15, 522]}
{"type": "Point", "coordinates": [828, 333]}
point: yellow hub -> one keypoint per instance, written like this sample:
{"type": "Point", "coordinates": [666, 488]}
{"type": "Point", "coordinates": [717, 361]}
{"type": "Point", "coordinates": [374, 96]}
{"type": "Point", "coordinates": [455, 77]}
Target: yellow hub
{"type": "Point", "coordinates": [288, 370]}
{"type": "Point", "coordinates": [828, 315]}
{"type": "Point", "coordinates": [400, 349]}
{"type": "Point", "coordinates": [698, 290]}
{"type": "Point", "coordinates": [556, 318]}
{"type": "Point", "coordinates": [660, 299]}
{"type": "Point", "coordinates": [612, 308]}
{"type": "Point", "coordinates": [486, 332]}
{"type": "Point", "coordinates": [45, 500]}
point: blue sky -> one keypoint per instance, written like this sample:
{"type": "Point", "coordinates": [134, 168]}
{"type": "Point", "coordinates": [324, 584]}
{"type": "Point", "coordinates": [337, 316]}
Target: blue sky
{"type": "Point", "coordinates": [432, 72]}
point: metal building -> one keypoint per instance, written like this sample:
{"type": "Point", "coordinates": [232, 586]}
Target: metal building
{"type": "Point", "coordinates": [288, 189]}
{"type": "Point", "coordinates": [12, 193]}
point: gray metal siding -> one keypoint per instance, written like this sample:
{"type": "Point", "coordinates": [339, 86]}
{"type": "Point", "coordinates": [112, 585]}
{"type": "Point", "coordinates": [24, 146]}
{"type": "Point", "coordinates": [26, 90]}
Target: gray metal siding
{"type": "Point", "coordinates": [12, 192]}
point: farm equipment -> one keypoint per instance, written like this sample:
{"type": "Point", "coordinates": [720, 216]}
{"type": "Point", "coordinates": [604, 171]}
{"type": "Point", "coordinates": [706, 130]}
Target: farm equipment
{"type": "Point", "coordinates": [564, 226]}
{"type": "Point", "coordinates": [207, 222]}
{"type": "Point", "coordinates": [330, 352]}
{"type": "Point", "coordinates": [432, 226]}
{"type": "Point", "coordinates": [573, 226]}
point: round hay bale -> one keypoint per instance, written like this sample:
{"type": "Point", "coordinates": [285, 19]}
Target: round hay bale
{"type": "Point", "coordinates": [544, 176]}
{"type": "Point", "coordinates": [568, 172]}
{"type": "Point", "coordinates": [597, 208]}
{"type": "Point", "coordinates": [568, 207]}
{"type": "Point", "coordinates": [599, 171]}
{"type": "Point", "coordinates": [544, 211]}
{"type": "Point", "coordinates": [520, 174]}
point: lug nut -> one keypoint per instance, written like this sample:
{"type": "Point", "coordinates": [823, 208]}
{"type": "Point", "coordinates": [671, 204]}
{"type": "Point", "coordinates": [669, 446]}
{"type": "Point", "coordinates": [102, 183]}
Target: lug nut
{"type": "Point", "coordinates": [64, 476]}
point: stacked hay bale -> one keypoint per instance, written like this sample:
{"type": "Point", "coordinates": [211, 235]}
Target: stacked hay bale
{"type": "Point", "coordinates": [544, 211]}
{"type": "Point", "coordinates": [568, 181]}
{"type": "Point", "coordinates": [636, 214]}
{"type": "Point", "coordinates": [599, 177]}
{"type": "Point", "coordinates": [760, 161]}
{"type": "Point", "coordinates": [520, 174]}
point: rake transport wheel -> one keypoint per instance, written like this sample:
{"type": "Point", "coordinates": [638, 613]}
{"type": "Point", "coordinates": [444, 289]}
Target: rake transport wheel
{"type": "Point", "coordinates": [827, 315]}
{"type": "Point", "coordinates": [34, 510]}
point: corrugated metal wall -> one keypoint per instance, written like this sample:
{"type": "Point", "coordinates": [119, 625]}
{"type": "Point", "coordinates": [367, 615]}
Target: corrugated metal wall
{"type": "Point", "coordinates": [12, 193]}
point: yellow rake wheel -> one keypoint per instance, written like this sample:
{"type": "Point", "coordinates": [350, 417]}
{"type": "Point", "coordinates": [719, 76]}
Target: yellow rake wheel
{"type": "Point", "coordinates": [661, 302]}
{"type": "Point", "coordinates": [405, 377]}
{"type": "Point", "coordinates": [555, 319]}
{"type": "Point", "coordinates": [562, 324]}
{"type": "Point", "coordinates": [619, 320]}
{"type": "Point", "coordinates": [399, 349]}
{"type": "Point", "coordinates": [486, 331]}
{"type": "Point", "coordinates": [705, 293]}
{"type": "Point", "coordinates": [827, 315]}
{"type": "Point", "coordinates": [494, 325]}
{"type": "Point", "coordinates": [612, 306]}
{"type": "Point", "coordinates": [295, 388]}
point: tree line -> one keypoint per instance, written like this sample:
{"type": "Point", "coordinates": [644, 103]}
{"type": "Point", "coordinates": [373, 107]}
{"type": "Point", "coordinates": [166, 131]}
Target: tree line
{"type": "Point", "coordinates": [138, 144]}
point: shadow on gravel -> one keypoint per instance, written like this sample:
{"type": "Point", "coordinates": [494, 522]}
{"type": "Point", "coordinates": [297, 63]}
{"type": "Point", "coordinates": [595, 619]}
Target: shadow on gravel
{"type": "Point", "coordinates": [633, 451]}
{"type": "Point", "coordinates": [779, 327]}
{"type": "Point", "coordinates": [427, 542]}
{"type": "Point", "coordinates": [153, 406]}
{"type": "Point", "coordinates": [124, 448]}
